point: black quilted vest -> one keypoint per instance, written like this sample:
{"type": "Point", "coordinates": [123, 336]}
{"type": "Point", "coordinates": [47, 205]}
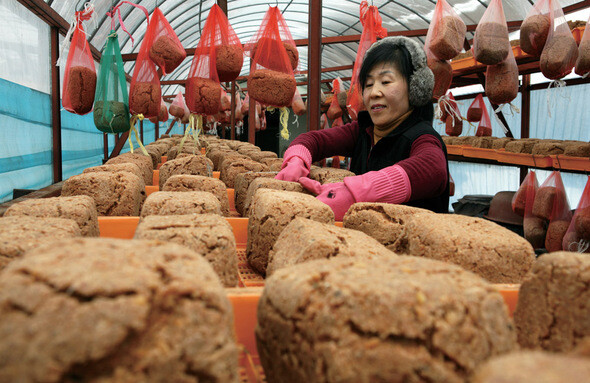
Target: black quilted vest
{"type": "Point", "coordinates": [394, 148]}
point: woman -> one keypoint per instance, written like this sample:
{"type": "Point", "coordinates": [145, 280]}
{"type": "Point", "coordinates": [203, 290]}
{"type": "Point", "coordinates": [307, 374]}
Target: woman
{"type": "Point", "coordinates": [397, 155]}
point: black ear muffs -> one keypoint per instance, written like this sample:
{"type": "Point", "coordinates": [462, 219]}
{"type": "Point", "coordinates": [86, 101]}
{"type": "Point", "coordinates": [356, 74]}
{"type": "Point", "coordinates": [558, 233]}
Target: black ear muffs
{"type": "Point", "coordinates": [422, 80]}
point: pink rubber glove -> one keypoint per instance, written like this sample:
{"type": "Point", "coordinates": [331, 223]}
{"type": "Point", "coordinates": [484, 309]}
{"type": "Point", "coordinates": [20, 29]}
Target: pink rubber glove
{"type": "Point", "coordinates": [335, 195]}
{"type": "Point", "coordinates": [296, 164]}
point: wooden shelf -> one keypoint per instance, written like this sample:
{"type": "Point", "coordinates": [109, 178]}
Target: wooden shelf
{"type": "Point", "coordinates": [577, 165]}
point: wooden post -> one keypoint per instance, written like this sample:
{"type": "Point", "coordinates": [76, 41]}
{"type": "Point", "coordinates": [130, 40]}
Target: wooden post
{"type": "Point", "coordinates": [233, 110]}
{"type": "Point", "coordinates": [252, 115]}
{"type": "Point", "coordinates": [141, 130]}
{"type": "Point", "coordinates": [157, 131]}
{"type": "Point", "coordinates": [55, 108]}
{"type": "Point", "coordinates": [525, 115]}
{"type": "Point", "coordinates": [171, 126]}
{"type": "Point", "coordinates": [314, 64]}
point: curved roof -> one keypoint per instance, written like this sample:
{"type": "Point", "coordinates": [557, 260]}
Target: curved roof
{"type": "Point", "coordinates": [339, 18]}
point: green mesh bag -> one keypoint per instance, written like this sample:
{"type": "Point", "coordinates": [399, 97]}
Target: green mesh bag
{"type": "Point", "coordinates": [111, 101]}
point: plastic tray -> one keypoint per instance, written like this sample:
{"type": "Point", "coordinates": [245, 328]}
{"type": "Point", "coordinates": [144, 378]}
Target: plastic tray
{"type": "Point", "coordinates": [455, 149]}
{"type": "Point", "coordinates": [489, 154]}
{"type": "Point", "coordinates": [156, 178]}
{"type": "Point", "coordinates": [216, 175]}
{"type": "Point", "coordinates": [471, 62]}
{"type": "Point", "coordinates": [571, 163]}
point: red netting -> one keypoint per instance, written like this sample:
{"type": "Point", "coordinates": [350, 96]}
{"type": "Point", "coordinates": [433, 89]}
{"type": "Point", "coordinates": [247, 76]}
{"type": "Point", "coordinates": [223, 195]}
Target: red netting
{"type": "Point", "coordinates": [166, 50]}
{"type": "Point", "coordinates": [372, 29]}
{"type": "Point", "coordinates": [79, 83]}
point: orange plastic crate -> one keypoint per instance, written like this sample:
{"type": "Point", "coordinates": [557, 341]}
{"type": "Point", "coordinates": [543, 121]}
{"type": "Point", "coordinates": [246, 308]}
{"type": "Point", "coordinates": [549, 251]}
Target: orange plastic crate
{"type": "Point", "coordinates": [149, 189]}
{"type": "Point", "coordinates": [216, 175]}
{"type": "Point", "coordinates": [156, 178]}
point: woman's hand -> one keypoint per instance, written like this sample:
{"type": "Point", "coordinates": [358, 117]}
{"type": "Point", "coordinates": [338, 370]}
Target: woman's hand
{"type": "Point", "coordinates": [293, 169]}
{"type": "Point", "coordinates": [335, 195]}
{"type": "Point", "coordinates": [296, 164]}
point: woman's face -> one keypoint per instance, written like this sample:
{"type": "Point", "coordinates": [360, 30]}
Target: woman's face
{"type": "Point", "coordinates": [385, 95]}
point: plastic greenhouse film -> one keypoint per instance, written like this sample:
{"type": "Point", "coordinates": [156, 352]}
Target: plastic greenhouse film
{"type": "Point", "coordinates": [371, 21]}
{"type": "Point", "coordinates": [79, 85]}
{"type": "Point", "coordinates": [490, 43]}
{"type": "Point", "coordinates": [166, 50]}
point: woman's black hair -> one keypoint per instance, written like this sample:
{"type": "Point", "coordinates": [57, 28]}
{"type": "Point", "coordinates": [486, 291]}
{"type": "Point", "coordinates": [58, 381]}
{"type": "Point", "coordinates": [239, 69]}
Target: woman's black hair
{"type": "Point", "coordinates": [399, 57]}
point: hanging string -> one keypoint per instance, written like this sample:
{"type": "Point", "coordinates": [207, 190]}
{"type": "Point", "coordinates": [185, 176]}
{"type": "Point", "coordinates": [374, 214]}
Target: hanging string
{"type": "Point", "coordinates": [134, 119]}
{"type": "Point", "coordinates": [85, 15]}
{"type": "Point", "coordinates": [559, 85]}
{"type": "Point", "coordinates": [117, 10]}
{"type": "Point", "coordinates": [284, 119]}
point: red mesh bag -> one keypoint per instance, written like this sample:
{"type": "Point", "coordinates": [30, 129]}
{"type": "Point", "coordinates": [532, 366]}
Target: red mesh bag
{"type": "Point", "coordinates": [561, 51]}
{"type": "Point", "coordinates": [297, 104]}
{"type": "Point", "coordinates": [203, 92]}
{"type": "Point", "coordinates": [246, 104]}
{"type": "Point", "coordinates": [475, 111]}
{"type": "Point", "coordinates": [229, 55]}
{"type": "Point", "coordinates": [448, 106]}
{"type": "Point", "coordinates": [520, 197]}
{"type": "Point", "coordinates": [271, 81]}
{"type": "Point", "coordinates": [225, 101]}
{"type": "Point", "coordinates": [446, 32]}
{"type": "Point", "coordinates": [551, 205]}
{"type": "Point", "coordinates": [535, 228]}
{"type": "Point", "coordinates": [484, 129]}
{"type": "Point", "coordinates": [324, 121]}
{"type": "Point", "coordinates": [372, 29]}
{"type": "Point", "coordinates": [583, 62]}
{"type": "Point", "coordinates": [145, 92]}
{"type": "Point", "coordinates": [337, 122]}
{"type": "Point", "coordinates": [334, 111]}
{"type": "Point", "coordinates": [443, 74]}
{"type": "Point", "coordinates": [79, 83]}
{"type": "Point", "coordinates": [535, 28]}
{"type": "Point", "coordinates": [577, 237]}
{"type": "Point", "coordinates": [238, 110]}
{"type": "Point", "coordinates": [166, 50]}
{"type": "Point", "coordinates": [490, 43]}
{"type": "Point", "coordinates": [453, 126]}
{"type": "Point", "coordinates": [274, 20]}
{"type": "Point", "coordinates": [502, 81]}
{"type": "Point", "coordinates": [163, 113]}
{"type": "Point", "coordinates": [178, 106]}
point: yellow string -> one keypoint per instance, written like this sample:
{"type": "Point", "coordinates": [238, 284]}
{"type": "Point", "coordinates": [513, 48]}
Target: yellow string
{"type": "Point", "coordinates": [134, 120]}
{"type": "Point", "coordinates": [284, 120]}
{"type": "Point", "coordinates": [198, 121]}
{"type": "Point", "coordinates": [186, 132]}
